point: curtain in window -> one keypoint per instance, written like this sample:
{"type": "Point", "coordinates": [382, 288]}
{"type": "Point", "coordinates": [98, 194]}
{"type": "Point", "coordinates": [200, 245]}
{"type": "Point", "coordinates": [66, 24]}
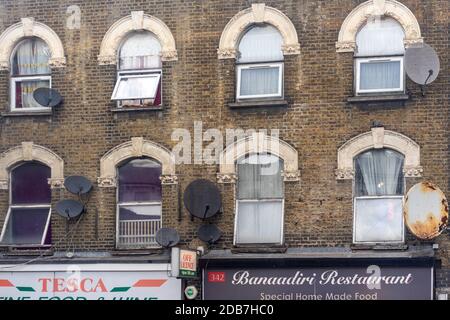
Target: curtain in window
{"type": "Point", "coordinates": [380, 75]}
{"type": "Point", "coordinates": [379, 173]}
{"type": "Point", "coordinates": [260, 81]}
{"type": "Point", "coordinates": [261, 44]}
{"type": "Point", "coordinates": [141, 50]}
{"type": "Point", "coordinates": [260, 200]}
{"type": "Point", "coordinates": [31, 59]}
{"type": "Point", "coordinates": [260, 177]}
{"type": "Point", "coordinates": [380, 37]}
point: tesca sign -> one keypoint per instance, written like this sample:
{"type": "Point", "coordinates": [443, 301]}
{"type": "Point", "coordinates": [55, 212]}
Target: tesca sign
{"type": "Point", "coordinates": [364, 283]}
{"type": "Point", "coordinates": [77, 283]}
{"type": "Point", "coordinates": [188, 263]}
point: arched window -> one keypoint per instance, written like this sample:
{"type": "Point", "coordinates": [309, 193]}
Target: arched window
{"type": "Point", "coordinates": [260, 200]}
{"type": "Point", "coordinates": [139, 72]}
{"type": "Point", "coordinates": [28, 219]}
{"type": "Point", "coordinates": [260, 63]}
{"type": "Point", "coordinates": [379, 191]}
{"type": "Point", "coordinates": [30, 70]}
{"type": "Point", "coordinates": [139, 203]}
{"type": "Point", "coordinates": [379, 57]}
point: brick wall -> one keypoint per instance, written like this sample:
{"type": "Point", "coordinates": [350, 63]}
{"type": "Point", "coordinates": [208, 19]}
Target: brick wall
{"type": "Point", "coordinates": [198, 87]}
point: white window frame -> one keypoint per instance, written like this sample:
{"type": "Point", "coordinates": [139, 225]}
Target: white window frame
{"type": "Point", "coordinates": [44, 236]}
{"type": "Point", "coordinates": [15, 80]}
{"type": "Point", "coordinates": [143, 203]}
{"type": "Point", "coordinates": [235, 241]}
{"type": "Point", "coordinates": [279, 94]}
{"type": "Point", "coordinates": [359, 61]}
{"type": "Point", "coordinates": [402, 241]}
{"type": "Point", "coordinates": [122, 74]}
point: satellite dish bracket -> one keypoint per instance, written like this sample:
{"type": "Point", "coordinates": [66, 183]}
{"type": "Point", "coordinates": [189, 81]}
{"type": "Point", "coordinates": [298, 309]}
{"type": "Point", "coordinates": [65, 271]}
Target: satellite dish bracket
{"type": "Point", "coordinates": [424, 86]}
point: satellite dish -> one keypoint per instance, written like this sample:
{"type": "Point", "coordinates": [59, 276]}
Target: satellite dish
{"type": "Point", "coordinates": [422, 64]}
{"type": "Point", "coordinates": [209, 233]}
{"type": "Point", "coordinates": [69, 208]}
{"type": "Point", "coordinates": [78, 185]}
{"type": "Point", "coordinates": [202, 199]}
{"type": "Point", "coordinates": [167, 237]}
{"type": "Point", "coordinates": [47, 97]}
{"type": "Point", "coordinates": [426, 211]}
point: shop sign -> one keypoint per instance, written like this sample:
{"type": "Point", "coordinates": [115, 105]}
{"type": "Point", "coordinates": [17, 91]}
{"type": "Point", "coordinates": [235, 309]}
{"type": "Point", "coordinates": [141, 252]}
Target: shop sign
{"type": "Point", "coordinates": [88, 283]}
{"type": "Point", "coordinates": [188, 263]}
{"type": "Point", "coordinates": [360, 283]}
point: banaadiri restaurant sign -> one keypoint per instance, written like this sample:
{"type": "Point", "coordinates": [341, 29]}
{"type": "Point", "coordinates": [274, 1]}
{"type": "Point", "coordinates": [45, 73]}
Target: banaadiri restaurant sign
{"type": "Point", "coordinates": [361, 283]}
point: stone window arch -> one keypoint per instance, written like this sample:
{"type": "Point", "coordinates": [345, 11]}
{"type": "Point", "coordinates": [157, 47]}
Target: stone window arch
{"type": "Point", "coordinates": [28, 151]}
{"type": "Point", "coordinates": [254, 144]}
{"type": "Point", "coordinates": [137, 147]}
{"type": "Point", "coordinates": [259, 13]}
{"type": "Point", "coordinates": [26, 28]}
{"type": "Point", "coordinates": [379, 138]}
{"type": "Point", "coordinates": [374, 8]}
{"type": "Point", "coordinates": [136, 21]}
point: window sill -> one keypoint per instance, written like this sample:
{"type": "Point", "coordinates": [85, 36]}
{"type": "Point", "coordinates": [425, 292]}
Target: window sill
{"type": "Point", "coordinates": [136, 109]}
{"type": "Point", "coordinates": [259, 249]}
{"type": "Point", "coordinates": [14, 250]}
{"type": "Point", "coordinates": [136, 252]}
{"type": "Point", "coordinates": [27, 113]}
{"type": "Point", "coordinates": [378, 98]}
{"type": "Point", "coordinates": [258, 103]}
{"type": "Point", "coordinates": [380, 247]}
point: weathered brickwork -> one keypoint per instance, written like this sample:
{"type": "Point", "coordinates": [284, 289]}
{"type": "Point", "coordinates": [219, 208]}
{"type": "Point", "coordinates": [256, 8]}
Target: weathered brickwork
{"type": "Point", "coordinates": [199, 87]}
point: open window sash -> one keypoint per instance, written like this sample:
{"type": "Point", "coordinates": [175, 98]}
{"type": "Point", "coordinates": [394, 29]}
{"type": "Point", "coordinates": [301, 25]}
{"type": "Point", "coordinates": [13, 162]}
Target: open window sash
{"type": "Point", "coordinates": [26, 226]}
{"type": "Point", "coordinates": [136, 86]}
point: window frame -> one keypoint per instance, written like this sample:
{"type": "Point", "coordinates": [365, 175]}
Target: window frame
{"type": "Point", "coordinates": [236, 219]}
{"type": "Point", "coordinates": [360, 60]}
{"type": "Point", "coordinates": [260, 65]}
{"type": "Point", "coordinates": [13, 86]}
{"type": "Point", "coordinates": [119, 204]}
{"type": "Point", "coordinates": [28, 206]}
{"type": "Point", "coordinates": [355, 198]}
{"type": "Point", "coordinates": [403, 231]}
{"type": "Point", "coordinates": [237, 201]}
{"type": "Point", "coordinates": [137, 73]}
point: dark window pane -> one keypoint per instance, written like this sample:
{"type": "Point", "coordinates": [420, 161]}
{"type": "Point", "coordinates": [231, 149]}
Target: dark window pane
{"type": "Point", "coordinates": [142, 212]}
{"type": "Point", "coordinates": [29, 184]}
{"type": "Point", "coordinates": [26, 226]}
{"type": "Point", "coordinates": [139, 180]}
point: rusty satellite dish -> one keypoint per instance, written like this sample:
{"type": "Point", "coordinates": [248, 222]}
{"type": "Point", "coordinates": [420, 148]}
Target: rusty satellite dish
{"type": "Point", "coordinates": [426, 211]}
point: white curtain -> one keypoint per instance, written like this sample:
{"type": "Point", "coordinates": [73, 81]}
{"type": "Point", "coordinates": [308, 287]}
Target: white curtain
{"type": "Point", "coordinates": [141, 50]}
{"type": "Point", "coordinates": [259, 222]}
{"type": "Point", "coordinates": [380, 75]}
{"type": "Point", "coordinates": [260, 81]}
{"type": "Point", "coordinates": [380, 37]}
{"type": "Point", "coordinates": [260, 199]}
{"type": "Point", "coordinates": [379, 220]}
{"type": "Point", "coordinates": [379, 173]}
{"type": "Point", "coordinates": [31, 59]}
{"type": "Point", "coordinates": [261, 44]}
